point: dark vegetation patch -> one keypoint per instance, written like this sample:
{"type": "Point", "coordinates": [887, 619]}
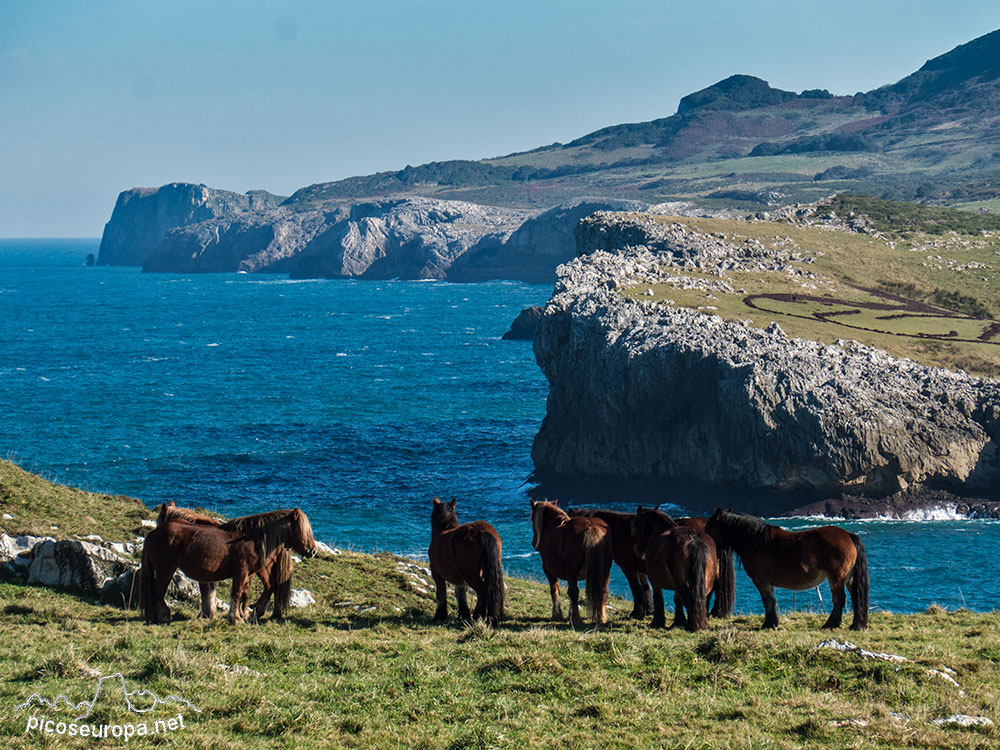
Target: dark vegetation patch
{"type": "Point", "coordinates": [903, 219]}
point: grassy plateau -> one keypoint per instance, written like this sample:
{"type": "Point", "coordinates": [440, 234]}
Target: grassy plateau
{"type": "Point", "coordinates": [923, 284]}
{"type": "Point", "coordinates": [365, 667]}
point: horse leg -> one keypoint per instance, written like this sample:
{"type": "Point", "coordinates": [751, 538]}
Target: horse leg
{"type": "Point", "coordinates": [160, 586]}
{"type": "Point", "coordinates": [557, 614]}
{"type": "Point", "coordinates": [207, 600]}
{"type": "Point", "coordinates": [659, 616]}
{"type": "Point", "coordinates": [461, 594]}
{"type": "Point", "coordinates": [770, 603]}
{"type": "Point", "coordinates": [647, 592]}
{"type": "Point", "coordinates": [441, 592]}
{"type": "Point", "coordinates": [639, 594]}
{"type": "Point", "coordinates": [573, 589]}
{"type": "Point", "coordinates": [680, 621]}
{"type": "Point", "coordinates": [839, 596]}
{"type": "Point", "coordinates": [260, 606]}
{"type": "Point", "coordinates": [237, 598]}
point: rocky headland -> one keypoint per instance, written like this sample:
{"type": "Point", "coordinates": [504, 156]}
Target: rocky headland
{"type": "Point", "coordinates": [193, 229]}
{"type": "Point", "coordinates": [659, 401]}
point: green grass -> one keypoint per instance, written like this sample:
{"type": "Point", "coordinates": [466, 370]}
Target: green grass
{"type": "Point", "coordinates": [366, 667]}
{"type": "Point", "coordinates": [957, 273]}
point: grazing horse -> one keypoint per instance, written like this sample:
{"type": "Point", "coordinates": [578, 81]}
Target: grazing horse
{"type": "Point", "coordinates": [466, 555]}
{"type": "Point", "coordinates": [680, 558]}
{"type": "Point", "coordinates": [571, 549]}
{"type": "Point", "coordinates": [797, 560]}
{"type": "Point", "coordinates": [632, 566]}
{"type": "Point", "coordinates": [236, 549]}
{"type": "Point", "coordinates": [276, 578]}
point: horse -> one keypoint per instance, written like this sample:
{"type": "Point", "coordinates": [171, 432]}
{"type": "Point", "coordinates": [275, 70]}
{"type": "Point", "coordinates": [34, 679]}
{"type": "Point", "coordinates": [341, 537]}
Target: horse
{"type": "Point", "coordinates": [624, 553]}
{"type": "Point", "coordinates": [235, 549]}
{"type": "Point", "coordinates": [680, 558]}
{"type": "Point", "coordinates": [466, 555]}
{"type": "Point", "coordinates": [571, 549]}
{"type": "Point", "coordinates": [797, 560]}
{"type": "Point", "coordinates": [276, 578]}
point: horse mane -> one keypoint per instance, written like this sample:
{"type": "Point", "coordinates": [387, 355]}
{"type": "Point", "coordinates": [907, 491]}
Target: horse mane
{"type": "Point", "coordinates": [266, 530]}
{"type": "Point", "coordinates": [665, 517]}
{"type": "Point", "coordinates": [597, 513]}
{"type": "Point", "coordinates": [175, 513]}
{"type": "Point", "coordinates": [751, 528]}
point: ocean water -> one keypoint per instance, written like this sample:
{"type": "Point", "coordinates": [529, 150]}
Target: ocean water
{"type": "Point", "coordinates": [358, 401]}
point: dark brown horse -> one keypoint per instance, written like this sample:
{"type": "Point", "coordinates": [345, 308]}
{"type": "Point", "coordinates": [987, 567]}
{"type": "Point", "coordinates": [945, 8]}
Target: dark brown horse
{"type": "Point", "coordinates": [797, 560]}
{"type": "Point", "coordinates": [276, 578]}
{"type": "Point", "coordinates": [468, 556]}
{"type": "Point", "coordinates": [236, 549]}
{"type": "Point", "coordinates": [680, 558]}
{"type": "Point", "coordinates": [571, 549]}
{"type": "Point", "coordinates": [624, 550]}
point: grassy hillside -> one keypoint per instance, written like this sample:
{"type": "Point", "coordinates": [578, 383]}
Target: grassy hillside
{"type": "Point", "coordinates": [365, 667]}
{"type": "Point", "coordinates": [923, 285]}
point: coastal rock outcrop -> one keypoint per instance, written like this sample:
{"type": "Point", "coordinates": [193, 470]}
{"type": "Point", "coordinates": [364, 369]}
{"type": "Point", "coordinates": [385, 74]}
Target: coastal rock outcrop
{"type": "Point", "coordinates": [142, 217]}
{"type": "Point", "coordinates": [701, 410]}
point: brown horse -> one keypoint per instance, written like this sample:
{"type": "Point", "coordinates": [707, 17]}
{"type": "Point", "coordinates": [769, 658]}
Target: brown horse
{"type": "Point", "coordinates": [797, 560]}
{"type": "Point", "coordinates": [632, 566]}
{"type": "Point", "coordinates": [236, 549]}
{"type": "Point", "coordinates": [571, 549]}
{"type": "Point", "coordinates": [680, 558]}
{"type": "Point", "coordinates": [466, 555]}
{"type": "Point", "coordinates": [276, 578]}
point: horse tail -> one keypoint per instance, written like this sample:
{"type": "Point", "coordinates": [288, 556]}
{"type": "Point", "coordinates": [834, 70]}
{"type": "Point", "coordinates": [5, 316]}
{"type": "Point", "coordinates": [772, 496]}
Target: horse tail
{"type": "Point", "coordinates": [725, 584]}
{"type": "Point", "coordinates": [598, 563]}
{"type": "Point", "coordinates": [698, 604]}
{"type": "Point", "coordinates": [146, 594]}
{"type": "Point", "coordinates": [859, 586]}
{"type": "Point", "coordinates": [493, 589]}
{"type": "Point", "coordinates": [281, 581]}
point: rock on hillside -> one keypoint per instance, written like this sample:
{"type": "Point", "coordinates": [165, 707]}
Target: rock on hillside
{"type": "Point", "coordinates": [143, 216]}
{"type": "Point", "coordinates": [708, 411]}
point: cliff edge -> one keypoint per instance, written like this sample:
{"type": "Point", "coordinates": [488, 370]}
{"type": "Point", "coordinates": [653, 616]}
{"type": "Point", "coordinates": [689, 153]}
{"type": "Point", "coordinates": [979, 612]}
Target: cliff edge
{"type": "Point", "coordinates": [648, 397]}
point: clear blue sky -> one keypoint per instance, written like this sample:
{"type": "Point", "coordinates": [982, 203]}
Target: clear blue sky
{"type": "Point", "coordinates": [97, 97]}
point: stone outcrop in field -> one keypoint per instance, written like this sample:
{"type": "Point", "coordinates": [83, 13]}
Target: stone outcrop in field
{"type": "Point", "coordinates": [702, 411]}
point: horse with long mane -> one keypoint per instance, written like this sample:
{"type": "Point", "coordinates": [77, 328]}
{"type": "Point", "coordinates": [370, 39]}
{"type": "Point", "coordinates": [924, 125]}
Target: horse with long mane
{"type": "Point", "coordinates": [797, 560]}
{"type": "Point", "coordinates": [276, 577]}
{"type": "Point", "coordinates": [469, 556]}
{"type": "Point", "coordinates": [571, 549]}
{"type": "Point", "coordinates": [623, 548]}
{"type": "Point", "coordinates": [680, 558]}
{"type": "Point", "coordinates": [236, 549]}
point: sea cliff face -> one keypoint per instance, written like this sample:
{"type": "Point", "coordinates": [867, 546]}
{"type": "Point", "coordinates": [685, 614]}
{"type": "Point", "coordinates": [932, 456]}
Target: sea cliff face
{"type": "Point", "coordinates": [142, 217]}
{"type": "Point", "coordinates": [703, 411]}
{"type": "Point", "coordinates": [193, 229]}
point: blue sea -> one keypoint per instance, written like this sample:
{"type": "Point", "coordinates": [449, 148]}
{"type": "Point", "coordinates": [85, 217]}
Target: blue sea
{"type": "Point", "coordinates": [358, 401]}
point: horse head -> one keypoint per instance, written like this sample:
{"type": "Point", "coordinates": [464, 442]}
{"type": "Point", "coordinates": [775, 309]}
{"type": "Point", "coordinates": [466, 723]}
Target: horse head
{"type": "Point", "coordinates": [540, 511]}
{"type": "Point", "coordinates": [301, 539]}
{"type": "Point", "coordinates": [443, 516]}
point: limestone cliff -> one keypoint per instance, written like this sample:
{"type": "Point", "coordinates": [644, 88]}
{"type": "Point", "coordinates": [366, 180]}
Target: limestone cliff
{"type": "Point", "coordinates": [700, 410]}
{"type": "Point", "coordinates": [142, 217]}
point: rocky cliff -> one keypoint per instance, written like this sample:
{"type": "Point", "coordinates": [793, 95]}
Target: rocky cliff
{"type": "Point", "coordinates": [194, 229]}
{"type": "Point", "coordinates": [684, 405]}
{"type": "Point", "coordinates": [142, 217]}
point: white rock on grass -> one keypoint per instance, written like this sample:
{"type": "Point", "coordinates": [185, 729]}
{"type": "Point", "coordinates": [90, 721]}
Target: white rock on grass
{"type": "Point", "coordinates": [301, 598]}
{"type": "Point", "coordinates": [963, 720]}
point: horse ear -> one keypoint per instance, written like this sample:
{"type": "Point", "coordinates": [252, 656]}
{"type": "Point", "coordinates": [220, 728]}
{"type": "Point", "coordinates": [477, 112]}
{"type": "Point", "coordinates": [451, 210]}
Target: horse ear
{"type": "Point", "coordinates": [729, 509]}
{"type": "Point", "coordinates": [454, 502]}
{"type": "Point", "coordinates": [436, 501]}
{"type": "Point", "coordinates": [556, 502]}
{"type": "Point", "coordinates": [639, 509]}
{"type": "Point", "coordinates": [173, 504]}
{"type": "Point", "coordinates": [532, 501]}
{"type": "Point", "coordinates": [657, 506]}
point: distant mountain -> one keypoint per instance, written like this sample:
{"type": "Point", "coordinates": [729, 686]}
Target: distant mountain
{"type": "Point", "coordinates": [739, 144]}
{"type": "Point", "coordinates": [933, 135]}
